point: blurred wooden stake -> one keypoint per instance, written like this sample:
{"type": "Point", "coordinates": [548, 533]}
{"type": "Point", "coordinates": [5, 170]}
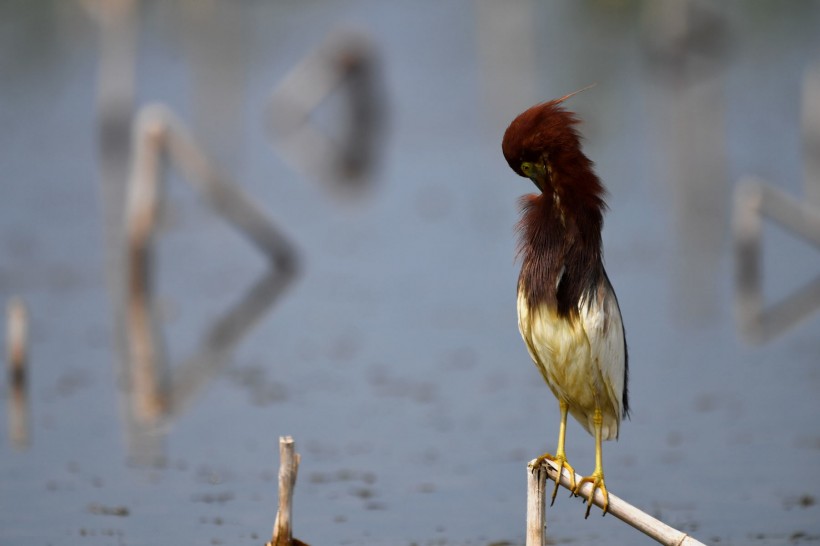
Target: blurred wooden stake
{"type": "Point", "coordinates": [288, 468]}
{"type": "Point", "coordinates": [161, 141]}
{"type": "Point", "coordinates": [345, 62]}
{"type": "Point", "coordinates": [643, 522]}
{"type": "Point", "coordinates": [810, 124]}
{"type": "Point", "coordinates": [17, 355]}
{"type": "Point", "coordinates": [754, 202]}
{"type": "Point", "coordinates": [145, 355]}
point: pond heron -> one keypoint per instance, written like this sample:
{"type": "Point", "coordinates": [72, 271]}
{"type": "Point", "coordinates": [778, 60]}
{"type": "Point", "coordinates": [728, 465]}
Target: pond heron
{"type": "Point", "coordinates": [568, 313]}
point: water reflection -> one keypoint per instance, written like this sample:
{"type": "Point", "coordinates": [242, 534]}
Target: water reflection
{"type": "Point", "coordinates": [160, 393]}
{"type": "Point", "coordinates": [160, 138]}
{"type": "Point", "coordinates": [223, 336]}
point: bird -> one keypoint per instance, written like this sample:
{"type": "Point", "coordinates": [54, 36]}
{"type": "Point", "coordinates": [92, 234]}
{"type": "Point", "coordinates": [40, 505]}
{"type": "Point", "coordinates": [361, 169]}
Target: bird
{"type": "Point", "coordinates": [568, 313]}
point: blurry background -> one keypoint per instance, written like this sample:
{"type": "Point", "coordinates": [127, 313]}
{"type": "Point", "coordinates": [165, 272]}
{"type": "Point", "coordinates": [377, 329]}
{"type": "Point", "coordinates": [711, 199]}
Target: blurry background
{"type": "Point", "coordinates": [393, 355]}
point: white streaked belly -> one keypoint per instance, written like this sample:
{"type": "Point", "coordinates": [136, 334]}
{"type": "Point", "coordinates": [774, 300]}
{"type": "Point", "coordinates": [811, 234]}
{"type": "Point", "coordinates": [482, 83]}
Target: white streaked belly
{"type": "Point", "coordinates": [563, 354]}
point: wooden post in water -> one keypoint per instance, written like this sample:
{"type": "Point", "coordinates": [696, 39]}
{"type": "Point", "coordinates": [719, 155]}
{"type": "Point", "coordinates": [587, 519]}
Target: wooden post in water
{"type": "Point", "coordinates": [536, 504]}
{"type": "Point", "coordinates": [145, 357]}
{"type": "Point", "coordinates": [158, 391]}
{"type": "Point", "coordinates": [643, 522]}
{"type": "Point", "coordinates": [288, 468]}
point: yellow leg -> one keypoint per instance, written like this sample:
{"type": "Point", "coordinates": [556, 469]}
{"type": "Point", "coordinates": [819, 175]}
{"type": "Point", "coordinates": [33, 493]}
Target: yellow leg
{"type": "Point", "coordinates": [560, 457]}
{"type": "Point", "coordinates": [597, 477]}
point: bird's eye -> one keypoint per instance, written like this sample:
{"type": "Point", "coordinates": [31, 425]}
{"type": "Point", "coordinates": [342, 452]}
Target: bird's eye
{"type": "Point", "coordinates": [526, 167]}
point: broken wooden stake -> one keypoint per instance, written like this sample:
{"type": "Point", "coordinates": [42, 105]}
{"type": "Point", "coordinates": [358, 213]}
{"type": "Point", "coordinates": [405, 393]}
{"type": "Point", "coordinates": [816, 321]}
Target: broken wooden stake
{"type": "Point", "coordinates": [288, 468]}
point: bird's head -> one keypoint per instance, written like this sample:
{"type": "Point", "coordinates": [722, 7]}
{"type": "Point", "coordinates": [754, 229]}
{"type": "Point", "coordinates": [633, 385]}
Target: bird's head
{"type": "Point", "coordinates": [542, 140]}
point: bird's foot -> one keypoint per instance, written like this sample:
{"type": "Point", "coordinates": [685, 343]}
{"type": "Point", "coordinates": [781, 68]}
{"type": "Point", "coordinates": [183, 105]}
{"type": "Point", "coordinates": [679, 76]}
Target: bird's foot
{"type": "Point", "coordinates": [597, 481]}
{"type": "Point", "coordinates": [561, 460]}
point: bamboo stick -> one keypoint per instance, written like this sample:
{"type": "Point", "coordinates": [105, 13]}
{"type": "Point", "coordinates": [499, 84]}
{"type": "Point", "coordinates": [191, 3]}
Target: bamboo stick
{"type": "Point", "coordinates": [536, 513]}
{"type": "Point", "coordinates": [643, 522]}
{"type": "Point", "coordinates": [288, 468]}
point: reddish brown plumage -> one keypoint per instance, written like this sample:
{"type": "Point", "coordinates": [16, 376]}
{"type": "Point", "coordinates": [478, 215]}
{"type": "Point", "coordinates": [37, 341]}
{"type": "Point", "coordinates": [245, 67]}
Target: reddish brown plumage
{"type": "Point", "coordinates": [560, 229]}
{"type": "Point", "coordinates": [551, 251]}
{"type": "Point", "coordinates": [568, 314]}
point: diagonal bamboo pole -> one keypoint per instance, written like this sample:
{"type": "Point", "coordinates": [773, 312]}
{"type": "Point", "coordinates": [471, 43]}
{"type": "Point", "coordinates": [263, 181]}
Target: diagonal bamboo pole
{"type": "Point", "coordinates": [643, 522]}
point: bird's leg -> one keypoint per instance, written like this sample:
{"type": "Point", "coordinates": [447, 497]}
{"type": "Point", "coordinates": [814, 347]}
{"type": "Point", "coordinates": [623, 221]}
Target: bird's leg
{"type": "Point", "coordinates": [597, 477]}
{"type": "Point", "coordinates": [560, 457]}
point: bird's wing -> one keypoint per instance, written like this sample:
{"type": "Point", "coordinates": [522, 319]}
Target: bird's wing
{"type": "Point", "coordinates": [605, 332]}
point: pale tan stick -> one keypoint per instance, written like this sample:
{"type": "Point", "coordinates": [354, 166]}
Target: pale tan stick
{"type": "Point", "coordinates": [643, 522]}
{"type": "Point", "coordinates": [536, 513]}
{"type": "Point", "coordinates": [145, 355]}
{"type": "Point", "coordinates": [17, 355]}
{"type": "Point", "coordinates": [288, 468]}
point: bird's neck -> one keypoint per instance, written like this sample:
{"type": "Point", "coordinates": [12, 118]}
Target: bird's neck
{"type": "Point", "coordinates": [571, 169]}
{"type": "Point", "coordinates": [560, 247]}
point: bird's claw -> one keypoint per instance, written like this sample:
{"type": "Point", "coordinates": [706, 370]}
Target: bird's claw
{"type": "Point", "coordinates": [561, 460]}
{"type": "Point", "coordinates": [597, 481]}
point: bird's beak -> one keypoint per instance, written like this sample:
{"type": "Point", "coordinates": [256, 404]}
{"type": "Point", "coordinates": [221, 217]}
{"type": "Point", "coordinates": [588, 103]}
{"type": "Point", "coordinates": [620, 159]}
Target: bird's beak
{"type": "Point", "coordinates": [540, 175]}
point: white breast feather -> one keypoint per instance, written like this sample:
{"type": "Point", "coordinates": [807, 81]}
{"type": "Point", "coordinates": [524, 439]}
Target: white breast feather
{"type": "Point", "coordinates": [582, 361]}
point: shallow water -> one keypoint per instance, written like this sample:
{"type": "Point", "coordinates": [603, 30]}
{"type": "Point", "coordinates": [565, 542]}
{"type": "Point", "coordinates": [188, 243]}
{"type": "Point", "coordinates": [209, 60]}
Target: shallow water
{"type": "Point", "coordinates": [394, 358]}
